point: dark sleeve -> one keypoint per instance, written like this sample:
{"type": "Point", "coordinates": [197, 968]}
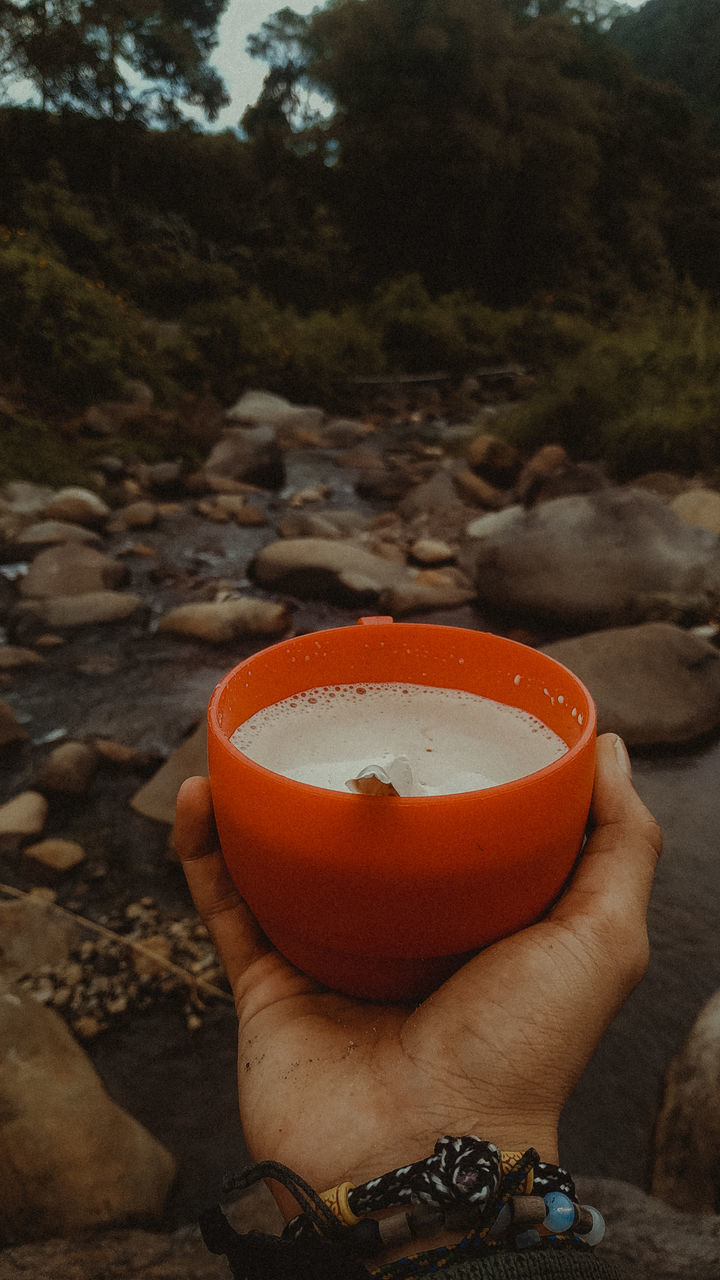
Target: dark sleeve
{"type": "Point", "coordinates": [534, 1264]}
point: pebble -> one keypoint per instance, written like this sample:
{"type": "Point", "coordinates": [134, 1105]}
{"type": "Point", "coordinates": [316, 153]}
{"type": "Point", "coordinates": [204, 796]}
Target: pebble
{"type": "Point", "coordinates": [12, 656]}
{"type": "Point", "coordinates": [10, 728]}
{"type": "Point", "coordinates": [24, 815]}
{"type": "Point", "coordinates": [60, 855]}
{"type": "Point", "coordinates": [107, 977]}
{"type": "Point", "coordinates": [68, 769]}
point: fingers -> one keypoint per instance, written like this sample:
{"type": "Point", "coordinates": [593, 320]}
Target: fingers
{"type": "Point", "coordinates": [612, 884]}
{"type": "Point", "coordinates": [234, 931]}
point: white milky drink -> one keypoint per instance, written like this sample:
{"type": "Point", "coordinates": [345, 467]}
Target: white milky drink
{"type": "Point", "coordinates": [453, 740]}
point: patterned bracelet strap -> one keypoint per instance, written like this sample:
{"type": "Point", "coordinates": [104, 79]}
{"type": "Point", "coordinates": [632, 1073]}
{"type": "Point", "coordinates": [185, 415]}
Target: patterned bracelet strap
{"type": "Point", "coordinates": [501, 1200]}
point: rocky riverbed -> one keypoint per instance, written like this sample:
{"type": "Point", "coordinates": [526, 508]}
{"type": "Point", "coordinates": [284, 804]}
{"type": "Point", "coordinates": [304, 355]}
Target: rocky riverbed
{"type": "Point", "coordinates": [123, 604]}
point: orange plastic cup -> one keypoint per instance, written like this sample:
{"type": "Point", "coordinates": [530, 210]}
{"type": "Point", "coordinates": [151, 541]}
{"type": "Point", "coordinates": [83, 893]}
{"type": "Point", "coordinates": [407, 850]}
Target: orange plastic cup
{"type": "Point", "coordinates": [380, 896]}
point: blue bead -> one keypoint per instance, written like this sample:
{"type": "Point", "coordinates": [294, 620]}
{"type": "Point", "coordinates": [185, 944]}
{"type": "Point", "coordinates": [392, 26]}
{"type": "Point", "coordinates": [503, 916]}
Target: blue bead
{"type": "Point", "coordinates": [597, 1230]}
{"type": "Point", "coordinates": [527, 1239]}
{"type": "Point", "coordinates": [560, 1212]}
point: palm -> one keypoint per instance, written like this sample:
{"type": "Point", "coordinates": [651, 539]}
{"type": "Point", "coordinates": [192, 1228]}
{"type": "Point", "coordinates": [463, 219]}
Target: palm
{"type": "Point", "coordinates": [340, 1089]}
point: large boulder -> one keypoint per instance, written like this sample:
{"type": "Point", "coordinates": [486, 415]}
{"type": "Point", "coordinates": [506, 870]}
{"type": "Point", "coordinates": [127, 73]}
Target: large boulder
{"type": "Point", "coordinates": [686, 1170]}
{"type": "Point", "coordinates": [262, 408]}
{"type": "Point", "coordinates": [70, 1158]}
{"type": "Point", "coordinates": [649, 1240]}
{"type": "Point", "coordinates": [33, 934]}
{"type": "Point", "coordinates": [318, 567]}
{"type": "Point", "coordinates": [70, 569]}
{"type": "Point", "coordinates": [655, 684]}
{"type": "Point", "coordinates": [126, 1253]}
{"type": "Point", "coordinates": [700, 507]}
{"type": "Point", "coordinates": [609, 558]}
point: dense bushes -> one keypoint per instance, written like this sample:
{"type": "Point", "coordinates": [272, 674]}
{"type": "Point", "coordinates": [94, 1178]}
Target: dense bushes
{"type": "Point", "coordinates": [641, 395]}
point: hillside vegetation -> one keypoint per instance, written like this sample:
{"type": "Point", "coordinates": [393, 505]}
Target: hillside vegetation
{"type": "Point", "coordinates": [488, 185]}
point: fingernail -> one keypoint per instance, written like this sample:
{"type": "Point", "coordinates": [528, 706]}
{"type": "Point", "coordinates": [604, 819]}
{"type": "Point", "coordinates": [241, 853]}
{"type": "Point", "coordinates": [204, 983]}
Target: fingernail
{"type": "Point", "coordinates": [623, 758]}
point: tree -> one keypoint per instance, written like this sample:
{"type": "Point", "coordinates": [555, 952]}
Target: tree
{"type": "Point", "coordinates": [513, 157]}
{"type": "Point", "coordinates": [676, 40]}
{"type": "Point", "coordinates": [119, 58]}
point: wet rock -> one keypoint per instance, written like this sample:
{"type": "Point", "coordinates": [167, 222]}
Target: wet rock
{"type": "Point", "coordinates": [82, 610]}
{"type": "Point", "coordinates": [131, 1254]}
{"type": "Point", "coordinates": [312, 567]}
{"type": "Point", "coordinates": [25, 499]}
{"type": "Point", "coordinates": [156, 799]}
{"type": "Point", "coordinates": [249, 454]}
{"type": "Point", "coordinates": [434, 507]}
{"type": "Point", "coordinates": [322, 524]}
{"type": "Point", "coordinates": [550, 473]}
{"type": "Point", "coordinates": [262, 408]}
{"type": "Point", "coordinates": [699, 507]}
{"type": "Point", "coordinates": [686, 1169]}
{"type": "Point", "coordinates": [72, 570]}
{"type": "Point", "coordinates": [142, 514]}
{"type": "Point", "coordinates": [161, 477]}
{"type": "Point", "coordinates": [22, 816]}
{"type": "Point", "coordinates": [591, 560]}
{"type": "Point", "coordinates": [311, 493]}
{"type": "Point", "coordinates": [431, 551]}
{"type": "Point", "coordinates": [68, 769]}
{"type": "Point", "coordinates": [207, 482]}
{"type": "Point", "coordinates": [496, 460]}
{"type": "Point", "coordinates": [33, 935]}
{"type": "Point", "coordinates": [479, 491]}
{"type": "Point", "coordinates": [212, 512]}
{"type": "Point", "coordinates": [121, 756]}
{"type": "Point", "coordinates": [58, 855]}
{"type": "Point", "coordinates": [47, 533]}
{"type": "Point", "coordinates": [389, 484]}
{"type": "Point", "coordinates": [13, 656]}
{"type": "Point", "coordinates": [343, 433]}
{"type": "Point", "coordinates": [78, 1160]}
{"type": "Point", "coordinates": [77, 505]}
{"type": "Point", "coordinates": [649, 1240]}
{"type": "Point", "coordinates": [362, 457]}
{"type": "Point", "coordinates": [10, 728]}
{"type": "Point", "coordinates": [242, 512]}
{"type": "Point", "coordinates": [430, 589]}
{"type": "Point", "coordinates": [667, 484]}
{"type": "Point", "coordinates": [655, 684]}
{"type": "Point", "coordinates": [224, 620]}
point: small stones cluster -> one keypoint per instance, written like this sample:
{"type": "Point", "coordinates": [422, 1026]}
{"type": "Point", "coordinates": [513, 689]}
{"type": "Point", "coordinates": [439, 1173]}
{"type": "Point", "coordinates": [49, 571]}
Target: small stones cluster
{"type": "Point", "coordinates": [107, 977]}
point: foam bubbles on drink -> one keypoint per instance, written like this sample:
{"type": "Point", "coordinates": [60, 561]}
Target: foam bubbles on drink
{"type": "Point", "coordinates": [454, 740]}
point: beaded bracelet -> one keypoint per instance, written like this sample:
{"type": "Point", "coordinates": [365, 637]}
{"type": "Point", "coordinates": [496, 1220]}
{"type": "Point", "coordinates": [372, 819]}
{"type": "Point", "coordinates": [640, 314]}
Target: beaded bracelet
{"type": "Point", "coordinates": [502, 1200]}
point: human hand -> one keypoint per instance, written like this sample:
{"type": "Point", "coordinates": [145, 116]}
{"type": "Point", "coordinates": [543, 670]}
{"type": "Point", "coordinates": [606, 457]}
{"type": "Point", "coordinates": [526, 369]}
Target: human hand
{"type": "Point", "coordinates": [340, 1089]}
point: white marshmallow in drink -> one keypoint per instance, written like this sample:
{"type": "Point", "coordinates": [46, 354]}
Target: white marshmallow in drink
{"type": "Point", "coordinates": [452, 740]}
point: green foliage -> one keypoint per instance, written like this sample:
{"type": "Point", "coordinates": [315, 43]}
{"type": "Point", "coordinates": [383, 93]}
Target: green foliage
{"type": "Point", "coordinates": [136, 61]}
{"type": "Point", "coordinates": [30, 449]}
{"type": "Point", "coordinates": [419, 334]}
{"type": "Point", "coordinates": [676, 40]}
{"type": "Point", "coordinates": [64, 336]}
{"type": "Point", "coordinates": [252, 342]}
{"type": "Point", "coordinates": [639, 397]}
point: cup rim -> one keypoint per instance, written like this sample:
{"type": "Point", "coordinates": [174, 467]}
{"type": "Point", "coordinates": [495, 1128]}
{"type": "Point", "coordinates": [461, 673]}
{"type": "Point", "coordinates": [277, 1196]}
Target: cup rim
{"type": "Point", "coordinates": [309, 789]}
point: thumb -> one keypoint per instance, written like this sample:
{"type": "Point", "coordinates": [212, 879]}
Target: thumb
{"type": "Point", "coordinates": [615, 875]}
